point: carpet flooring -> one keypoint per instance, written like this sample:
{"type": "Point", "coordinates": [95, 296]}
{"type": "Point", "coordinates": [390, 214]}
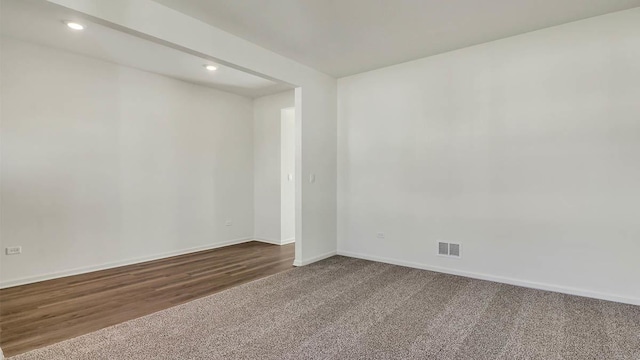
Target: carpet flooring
{"type": "Point", "coordinates": [344, 308]}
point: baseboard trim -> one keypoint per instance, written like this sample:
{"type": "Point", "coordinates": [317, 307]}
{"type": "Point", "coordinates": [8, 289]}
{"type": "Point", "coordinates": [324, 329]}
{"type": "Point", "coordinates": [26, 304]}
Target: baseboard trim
{"type": "Point", "coordinates": [499, 279]}
{"type": "Point", "coordinates": [88, 269]}
{"type": "Point", "coordinates": [274, 241]}
{"type": "Point", "coordinates": [315, 259]}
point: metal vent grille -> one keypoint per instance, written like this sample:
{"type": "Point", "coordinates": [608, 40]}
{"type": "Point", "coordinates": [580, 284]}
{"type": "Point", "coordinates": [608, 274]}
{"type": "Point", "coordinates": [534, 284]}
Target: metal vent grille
{"type": "Point", "coordinates": [454, 250]}
{"type": "Point", "coordinates": [449, 249]}
{"type": "Point", "coordinates": [443, 248]}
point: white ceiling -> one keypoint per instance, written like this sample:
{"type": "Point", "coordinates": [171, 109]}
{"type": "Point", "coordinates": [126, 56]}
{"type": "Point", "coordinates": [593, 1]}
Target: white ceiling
{"type": "Point", "coordinates": [345, 37]}
{"type": "Point", "coordinates": [40, 22]}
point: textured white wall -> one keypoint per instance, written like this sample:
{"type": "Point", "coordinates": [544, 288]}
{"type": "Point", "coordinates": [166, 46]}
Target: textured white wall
{"type": "Point", "coordinates": [102, 164]}
{"type": "Point", "coordinates": [267, 164]}
{"type": "Point", "coordinates": [525, 150]}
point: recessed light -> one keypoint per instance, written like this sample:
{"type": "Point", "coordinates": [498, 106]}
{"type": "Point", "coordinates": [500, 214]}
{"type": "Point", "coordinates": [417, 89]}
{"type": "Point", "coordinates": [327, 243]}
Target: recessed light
{"type": "Point", "coordinates": [74, 25]}
{"type": "Point", "coordinates": [210, 67]}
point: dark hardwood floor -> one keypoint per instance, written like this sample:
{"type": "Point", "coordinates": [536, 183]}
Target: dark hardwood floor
{"type": "Point", "coordinates": [36, 315]}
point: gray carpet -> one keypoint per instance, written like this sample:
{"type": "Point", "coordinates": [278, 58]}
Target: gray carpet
{"type": "Point", "coordinates": [345, 308]}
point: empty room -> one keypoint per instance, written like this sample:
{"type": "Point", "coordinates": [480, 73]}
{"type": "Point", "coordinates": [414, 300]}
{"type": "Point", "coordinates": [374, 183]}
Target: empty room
{"type": "Point", "coordinates": [319, 179]}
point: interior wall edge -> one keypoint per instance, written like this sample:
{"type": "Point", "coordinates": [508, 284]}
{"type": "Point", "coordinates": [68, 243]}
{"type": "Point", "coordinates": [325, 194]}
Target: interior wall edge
{"type": "Point", "coordinates": [305, 262]}
{"type": "Point", "coordinates": [274, 241]}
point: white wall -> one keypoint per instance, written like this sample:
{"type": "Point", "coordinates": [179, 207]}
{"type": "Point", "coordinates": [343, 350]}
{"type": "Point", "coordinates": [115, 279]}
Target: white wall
{"type": "Point", "coordinates": [267, 164]}
{"type": "Point", "coordinates": [287, 175]}
{"type": "Point", "coordinates": [316, 204]}
{"type": "Point", "coordinates": [102, 164]}
{"type": "Point", "coordinates": [525, 150]}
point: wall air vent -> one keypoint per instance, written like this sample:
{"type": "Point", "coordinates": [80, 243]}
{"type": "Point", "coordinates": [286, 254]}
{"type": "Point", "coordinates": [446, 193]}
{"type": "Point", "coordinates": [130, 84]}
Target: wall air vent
{"type": "Point", "coordinates": [443, 248]}
{"type": "Point", "coordinates": [454, 250]}
{"type": "Point", "coordinates": [449, 249]}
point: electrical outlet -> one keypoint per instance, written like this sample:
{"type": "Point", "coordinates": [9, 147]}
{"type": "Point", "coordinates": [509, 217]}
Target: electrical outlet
{"type": "Point", "coordinates": [380, 235]}
{"type": "Point", "coordinates": [228, 223]}
{"type": "Point", "coordinates": [14, 250]}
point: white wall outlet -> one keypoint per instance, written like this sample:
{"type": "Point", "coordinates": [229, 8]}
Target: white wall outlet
{"type": "Point", "coordinates": [290, 177]}
{"type": "Point", "coordinates": [228, 223]}
{"type": "Point", "coordinates": [14, 250]}
{"type": "Point", "coordinates": [312, 178]}
{"type": "Point", "coordinates": [380, 235]}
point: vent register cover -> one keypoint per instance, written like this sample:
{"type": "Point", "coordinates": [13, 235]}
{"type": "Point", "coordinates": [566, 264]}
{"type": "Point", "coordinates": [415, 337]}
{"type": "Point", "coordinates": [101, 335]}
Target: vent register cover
{"type": "Point", "coordinates": [448, 249]}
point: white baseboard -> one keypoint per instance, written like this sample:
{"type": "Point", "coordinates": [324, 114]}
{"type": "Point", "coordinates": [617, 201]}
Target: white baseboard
{"type": "Point", "coordinates": [84, 270]}
{"type": "Point", "coordinates": [500, 279]}
{"type": "Point", "coordinates": [314, 259]}
{"type": "Point", "coordinates": [274, 241]}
